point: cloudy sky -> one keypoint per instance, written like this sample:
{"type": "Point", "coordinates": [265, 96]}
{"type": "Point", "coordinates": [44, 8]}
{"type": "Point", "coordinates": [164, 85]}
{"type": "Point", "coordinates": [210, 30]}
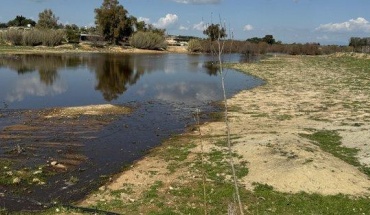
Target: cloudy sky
{"type": "Point", "coordinates": [323, 21]}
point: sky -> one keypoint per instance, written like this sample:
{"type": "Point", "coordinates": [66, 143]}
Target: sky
{"type": "Point", "coordinates": [290, 21]}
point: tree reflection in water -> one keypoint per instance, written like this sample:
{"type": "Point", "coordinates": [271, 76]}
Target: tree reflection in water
{"type": "Point", "coordinates": [113, 74]}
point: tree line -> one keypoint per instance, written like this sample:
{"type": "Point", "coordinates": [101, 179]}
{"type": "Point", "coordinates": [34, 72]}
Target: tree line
{"type": "Point", "coordinates": [116, 26]}
{"type": "Point", "coordinates": [112, 20]}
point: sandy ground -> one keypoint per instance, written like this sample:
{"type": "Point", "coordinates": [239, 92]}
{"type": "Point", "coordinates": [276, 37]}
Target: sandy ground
{"type": "Point", "coordinates": [300, 96]}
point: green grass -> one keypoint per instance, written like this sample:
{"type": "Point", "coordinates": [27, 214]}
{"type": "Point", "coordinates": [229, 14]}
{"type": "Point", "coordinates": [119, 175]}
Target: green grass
{"type": "Point", "coordinates": [265, 200]}
{"type": "Point", "coordinates": [330, 141]}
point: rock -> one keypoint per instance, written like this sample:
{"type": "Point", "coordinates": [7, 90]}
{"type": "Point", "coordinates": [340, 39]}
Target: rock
{"type": "Point", "coordinates": [16, 180]}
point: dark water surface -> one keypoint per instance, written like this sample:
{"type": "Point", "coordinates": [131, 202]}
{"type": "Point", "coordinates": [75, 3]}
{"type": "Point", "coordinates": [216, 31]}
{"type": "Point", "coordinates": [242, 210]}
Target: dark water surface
{"type": "Point", "coordinates": [164, 88]}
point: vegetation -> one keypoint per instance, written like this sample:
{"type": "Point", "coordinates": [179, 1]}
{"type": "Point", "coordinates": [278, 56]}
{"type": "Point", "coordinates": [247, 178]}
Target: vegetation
{"type": "Point", "coordinates": [47, 20]}
{"type": "Point", "coordinates": [330, 141]}
{"type": "Point", "coordinates": [33, 37]}
{"type": "Point", "coordinates": [215, 31]}
{"type": "Point", "coordinates": [253, 48]}
{"type": "Point", "coordinates": [148, 40]}
{"type": "Point", "coordinates": [269, 39]}
{"type": "Point", "coordinates": [360, 44]}
{"type": "Point", "coordinates": [20, 21]}
{"type": "Point", "coordinates": [112, 21]}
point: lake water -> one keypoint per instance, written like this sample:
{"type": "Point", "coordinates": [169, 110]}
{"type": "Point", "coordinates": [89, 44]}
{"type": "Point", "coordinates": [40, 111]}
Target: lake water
{"type": "Point", "coordinates": [165, 90]}
{"type": "Point", "coordinates": [43, 81]}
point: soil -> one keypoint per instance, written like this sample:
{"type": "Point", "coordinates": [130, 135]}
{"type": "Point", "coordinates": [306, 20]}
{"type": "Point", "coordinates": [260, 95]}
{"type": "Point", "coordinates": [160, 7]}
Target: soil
{"type": "Point", "coordinates": [266, 122]}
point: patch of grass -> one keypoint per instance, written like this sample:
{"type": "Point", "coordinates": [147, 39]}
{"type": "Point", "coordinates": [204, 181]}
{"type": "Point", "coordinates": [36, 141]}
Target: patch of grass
{"type": "Point", "coordinates": [153, 190]}
{"type": "Point", "coordinates": [284, 117]}
{"type": "Point", "coordinates": [260, 115]}
{"type": "Point", "coordinates": [217, 167]}
{"type": "Point", "coordinates": [265, 200]}
{"type": "Point", "coordinates": [176, 149]}
{"type": "Point", "coordinates": [330, 141]}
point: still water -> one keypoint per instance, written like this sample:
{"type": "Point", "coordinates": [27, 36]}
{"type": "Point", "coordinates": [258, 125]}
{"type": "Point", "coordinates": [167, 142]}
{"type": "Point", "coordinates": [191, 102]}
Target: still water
{"type": "Point", "coordinates": [165, 89]}
{"type": "Point", "coordinates": [43, 81]}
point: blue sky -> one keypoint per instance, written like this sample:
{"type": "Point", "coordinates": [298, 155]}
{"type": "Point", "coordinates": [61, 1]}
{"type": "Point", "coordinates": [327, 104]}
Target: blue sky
{"type": "Point", "coordinates": [323, 21]}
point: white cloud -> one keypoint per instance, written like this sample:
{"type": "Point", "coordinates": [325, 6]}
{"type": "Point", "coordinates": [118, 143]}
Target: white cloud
{"type": "Point", "coordinates": [198, 1]}
{"type": "Point", "coordinates": [248, 27]}
{"type": "Point", "coordinates": [32, 86]}
{"type": "Point", "coordinates": [324, 37]}
{"type": "Point", "coordinates": [183, 28]}
{"type": "Point", "coordinates": [359, 24]}
{"type": "Point", "coordinates": [166, 21]}
{"type": "Point", "coordinates": [200, 26]}
{"type": "Point", "coordinates": [146, 20]}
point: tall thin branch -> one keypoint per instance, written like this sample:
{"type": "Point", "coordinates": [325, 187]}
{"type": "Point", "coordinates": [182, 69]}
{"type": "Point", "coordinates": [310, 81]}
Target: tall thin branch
{"type": "Point", "coordinates": [231, 160]}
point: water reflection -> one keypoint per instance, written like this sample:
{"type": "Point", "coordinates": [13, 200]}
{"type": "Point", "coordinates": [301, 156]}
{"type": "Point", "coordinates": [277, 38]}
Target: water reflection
{"type": "Point", "coordinates": [74, 79]}
{"type": "Point", "coordinates": [114, 74]}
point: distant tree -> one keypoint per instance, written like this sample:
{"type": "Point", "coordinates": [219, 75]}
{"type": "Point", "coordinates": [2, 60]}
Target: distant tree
{"type": "Point", "coordinates": [269, 39]}
{"type": "Point", "coordinates": [3, 25]}
{"type": "Point", "coordinates": [112, 21]}
{"type": "Point", "coordinates": [254, 40]}
{"type": "Point", "coordinates": [214, 31]}
{"type": "Point", "coordinates": [72, 33]}
{"type": "Point", "coordinates": [19, 21]}
{"type": "Point", "coordinates": [47, 20]}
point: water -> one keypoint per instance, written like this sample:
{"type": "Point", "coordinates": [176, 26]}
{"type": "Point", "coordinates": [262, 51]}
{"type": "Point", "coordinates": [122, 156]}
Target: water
{"type": "Point", "coordinates": [165, 90]}
{"type": "Point", "coordinates": [43, 81]}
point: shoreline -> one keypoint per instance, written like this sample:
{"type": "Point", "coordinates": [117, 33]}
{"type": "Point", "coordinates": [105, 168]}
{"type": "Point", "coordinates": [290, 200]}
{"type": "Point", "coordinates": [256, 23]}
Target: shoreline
{"type": "Point", "coordinates": [85, 48]}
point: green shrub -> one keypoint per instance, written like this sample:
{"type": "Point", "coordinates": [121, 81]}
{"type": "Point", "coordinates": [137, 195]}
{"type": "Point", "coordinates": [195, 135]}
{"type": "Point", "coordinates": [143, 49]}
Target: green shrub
{"type": "Point", "coordinates": [148, 40]}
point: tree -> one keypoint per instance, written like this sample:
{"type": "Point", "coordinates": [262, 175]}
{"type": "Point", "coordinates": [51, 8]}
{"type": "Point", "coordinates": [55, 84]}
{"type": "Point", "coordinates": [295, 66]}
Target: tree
{"type": "Point", "coordinates": [3, 25]}
{"type": "Point", "coordinates": [19, 21]}
{"type": "Point", "coordinates": [72, 33]}
{"type": "Point", "coordinates": [269, 39]}
{"type": "Point", "coordinates": [112, 21]}
{"type": "Point", "coordinates": [47, 20]}
{"type": "Point", "coordinates": [214, 31]}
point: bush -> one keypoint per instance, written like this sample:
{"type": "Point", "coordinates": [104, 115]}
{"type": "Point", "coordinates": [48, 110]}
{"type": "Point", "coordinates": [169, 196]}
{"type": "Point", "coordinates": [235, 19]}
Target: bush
{"type": "Point", "coordinates": [52, 37]}
{"type": "Point", "coordinates": [148, 40]}
{"type": "Point", "coordinates": [2, 41]}
{"type": "Point", "coordinates": [14, 36]}
{"type": "Point", "coordinates": [195, 45]}
{"type": "Point", "coordinates": [32, 38]}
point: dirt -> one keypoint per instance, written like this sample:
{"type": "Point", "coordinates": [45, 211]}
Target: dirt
{"type": "Point", "coordinates": [299, 97]}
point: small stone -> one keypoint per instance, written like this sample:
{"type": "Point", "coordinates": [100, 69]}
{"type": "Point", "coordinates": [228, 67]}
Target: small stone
{"type": "Point", "coordinates": [16, 180]}
{"type": "Point", "coordinates": [37, 172]}
{"type": "Point", "coordinates": [53, 163]}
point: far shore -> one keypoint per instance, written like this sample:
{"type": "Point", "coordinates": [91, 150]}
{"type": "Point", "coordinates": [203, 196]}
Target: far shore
{"type": "Point", "coordinates": [85, 48]}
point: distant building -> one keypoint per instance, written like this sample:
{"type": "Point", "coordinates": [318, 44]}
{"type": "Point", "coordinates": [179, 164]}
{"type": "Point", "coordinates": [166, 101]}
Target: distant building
{"type": "Point", "coordinates": [173, 40]}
